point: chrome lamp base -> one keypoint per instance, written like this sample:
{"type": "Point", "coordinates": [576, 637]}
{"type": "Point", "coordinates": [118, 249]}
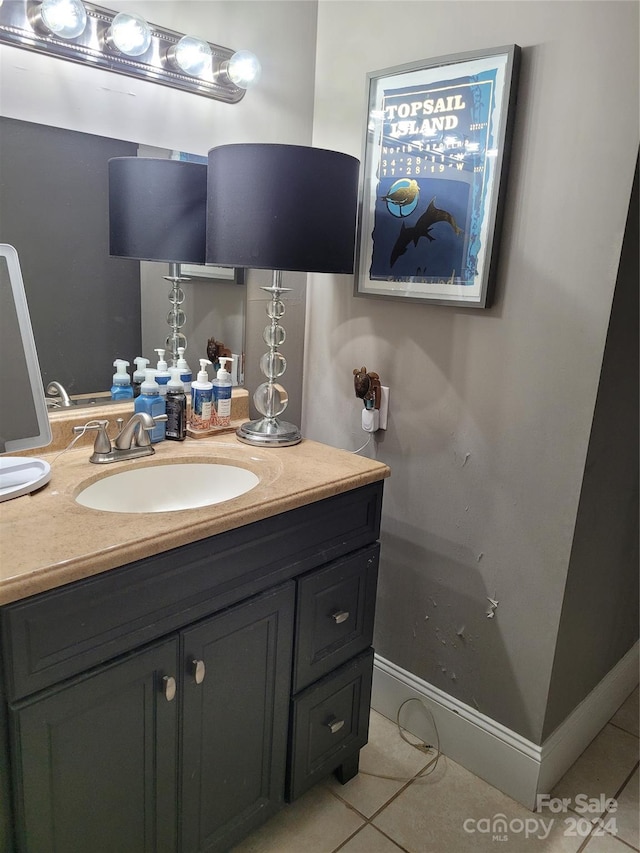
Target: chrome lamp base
{"type": "Point", "coordinates": [270, 398]}
{"type": "Point", "coordinates": [269, 432]}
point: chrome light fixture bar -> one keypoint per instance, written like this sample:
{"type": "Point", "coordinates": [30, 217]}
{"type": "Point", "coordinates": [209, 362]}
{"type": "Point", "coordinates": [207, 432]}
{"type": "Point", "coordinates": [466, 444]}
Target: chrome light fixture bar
{"type": "Point", "coordinates": [125, 43]}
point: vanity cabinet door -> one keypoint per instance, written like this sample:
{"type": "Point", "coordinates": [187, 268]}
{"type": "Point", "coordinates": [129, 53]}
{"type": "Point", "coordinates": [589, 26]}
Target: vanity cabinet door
{"type": "Point", "coordinates": [237, 678]}
{"type": "Point", "coordinates": [96, 760]}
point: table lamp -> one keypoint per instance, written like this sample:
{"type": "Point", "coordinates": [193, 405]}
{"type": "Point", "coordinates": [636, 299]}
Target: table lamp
{"type": "Point", "coordinates": [157, 212]}
{"type": "Point", "coordinates": [279, 207]}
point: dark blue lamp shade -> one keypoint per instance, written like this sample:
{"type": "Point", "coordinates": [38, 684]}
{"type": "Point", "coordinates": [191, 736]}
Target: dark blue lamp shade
{"type": "Point", "coordinates": [157, 209]}
{"type": "Point", "coordinates": [281, 207]}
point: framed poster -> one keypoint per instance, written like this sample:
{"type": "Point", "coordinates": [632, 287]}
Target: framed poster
{"type": "Point", "coordinates": [435, 158]}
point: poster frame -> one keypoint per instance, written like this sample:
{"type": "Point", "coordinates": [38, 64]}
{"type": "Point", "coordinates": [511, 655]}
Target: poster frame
{"type": "Point", "coordinates": [416, 88]}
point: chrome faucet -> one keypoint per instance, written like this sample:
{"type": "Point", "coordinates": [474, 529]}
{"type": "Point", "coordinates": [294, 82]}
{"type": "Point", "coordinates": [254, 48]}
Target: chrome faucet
{"type": "Point", "coordinates": [135, 433]}
{"type": "Point", "coordinates": [132, 441]}
{"type": "Point", "coordinates": [57, 395]}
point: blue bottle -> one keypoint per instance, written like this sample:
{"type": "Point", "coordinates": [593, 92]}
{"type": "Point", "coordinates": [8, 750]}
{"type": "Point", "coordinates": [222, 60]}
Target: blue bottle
{"type": "Point", "coordinates": [151, 402]}
{"type": "Point", "coordinates": [121, 388]}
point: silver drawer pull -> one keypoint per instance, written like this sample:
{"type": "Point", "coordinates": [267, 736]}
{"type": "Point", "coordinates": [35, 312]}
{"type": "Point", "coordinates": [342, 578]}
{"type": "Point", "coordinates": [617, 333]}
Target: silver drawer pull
{"type": "Point", "coordinates": [198, 671]}
{"type": "Point", "coordinates": [340, 616]}
{"type": "Point", "coordinates": [335, 725]}
{"type": "Point", "coordinates": [169, 688]}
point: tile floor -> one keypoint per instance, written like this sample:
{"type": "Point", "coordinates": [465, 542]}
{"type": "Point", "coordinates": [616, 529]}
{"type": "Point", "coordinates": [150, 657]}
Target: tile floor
{"type": "Point", "coordinates": [429, 813]}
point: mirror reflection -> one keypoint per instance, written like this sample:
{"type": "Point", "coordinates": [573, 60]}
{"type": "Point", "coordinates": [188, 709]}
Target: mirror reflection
{"type": "Point", "coordinates": [87, 308]}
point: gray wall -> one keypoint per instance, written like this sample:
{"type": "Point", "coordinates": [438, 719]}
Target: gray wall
{"type": "Point", "coordinates": [491, 410]}
{"type": "Point", "coordinates": [599, 620]}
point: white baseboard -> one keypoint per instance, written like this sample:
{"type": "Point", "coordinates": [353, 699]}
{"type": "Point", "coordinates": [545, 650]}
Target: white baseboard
{"type": "Point", "coordinates": [502, 757]}
{"type": "Point", "coordinates": [566, 743]}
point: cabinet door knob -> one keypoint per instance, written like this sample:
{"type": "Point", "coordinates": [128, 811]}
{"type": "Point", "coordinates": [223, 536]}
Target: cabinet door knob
{"type": "Point", "coordinates": [198, 670]}
{"type": "Point", "coordinates": [335, 725]}
{"type": "Point", "coordinates": [169, 688]}
{"type": "Point", "coordinates": [340, 616]}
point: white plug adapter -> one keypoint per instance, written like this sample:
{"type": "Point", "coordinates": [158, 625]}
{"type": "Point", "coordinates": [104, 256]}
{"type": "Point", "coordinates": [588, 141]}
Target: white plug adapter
{"type": "Point", "coordinates": [370, 420]}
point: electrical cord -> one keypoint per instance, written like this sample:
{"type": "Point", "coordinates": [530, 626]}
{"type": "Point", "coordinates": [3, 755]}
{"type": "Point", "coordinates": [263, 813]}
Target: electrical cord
{"type": "Point", "coordinates": [363, 446]}
{"type": "Point", "coordinates": [421, 747]}
{"type": "Point", "coordinates": [73, 440]}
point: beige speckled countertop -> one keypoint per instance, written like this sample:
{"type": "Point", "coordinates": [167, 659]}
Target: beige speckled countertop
{"type": "Point", "coordinates": [47, 539]}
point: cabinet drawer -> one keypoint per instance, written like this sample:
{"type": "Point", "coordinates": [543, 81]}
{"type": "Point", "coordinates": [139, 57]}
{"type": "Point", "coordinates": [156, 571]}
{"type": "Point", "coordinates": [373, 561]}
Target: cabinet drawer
{"type": "Point", "coordinates": [330, 722]}
{"type": "Point", "coordinates": [335, 613]}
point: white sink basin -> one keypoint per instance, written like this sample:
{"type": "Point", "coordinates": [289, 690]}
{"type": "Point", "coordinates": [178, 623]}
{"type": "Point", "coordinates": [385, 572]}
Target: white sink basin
{"type": "Point", "coordinates": [166, 488]}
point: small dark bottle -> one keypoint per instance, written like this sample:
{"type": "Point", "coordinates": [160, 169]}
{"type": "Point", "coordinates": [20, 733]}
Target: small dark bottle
{"type": "Point", "coordinates": [176, 403]}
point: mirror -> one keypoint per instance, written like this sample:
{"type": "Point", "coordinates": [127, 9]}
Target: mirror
{"type": "Point", "coordinates": [87, 309]}
{"type": "Point", "coordinates": [23, 423]}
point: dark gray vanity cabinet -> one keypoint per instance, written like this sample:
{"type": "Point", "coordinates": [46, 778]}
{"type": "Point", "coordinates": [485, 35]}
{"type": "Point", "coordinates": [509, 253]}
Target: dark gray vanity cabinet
{"type": "Point", "coordinates": [234, 724]}
{"type": "Point", "coordinates": [174, 703]}
{"type": "Point", "coordinates": [96, 761]}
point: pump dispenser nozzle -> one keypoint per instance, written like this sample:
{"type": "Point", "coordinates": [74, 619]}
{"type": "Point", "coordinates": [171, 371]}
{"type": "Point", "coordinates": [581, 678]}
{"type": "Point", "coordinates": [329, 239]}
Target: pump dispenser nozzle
{"type": "Point", "coordinates": [203, 376]}
{"type": "Point", "coordinates": [121, 377]}
{"type": "Point", "coordinates": [141, 364]}
{"type": "Point", "coordinates": [223, 367]}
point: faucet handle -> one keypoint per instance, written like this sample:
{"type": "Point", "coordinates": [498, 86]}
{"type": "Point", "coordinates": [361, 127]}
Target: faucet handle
{"type": "Point", "coordinates": [102, 443]}
{"type": "Point", "coordinates": [142, 437]}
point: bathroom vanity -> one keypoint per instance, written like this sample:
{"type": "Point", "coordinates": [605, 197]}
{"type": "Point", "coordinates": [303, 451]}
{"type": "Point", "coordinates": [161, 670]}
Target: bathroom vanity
{"type": "Point", "coordinates": [171, 679]}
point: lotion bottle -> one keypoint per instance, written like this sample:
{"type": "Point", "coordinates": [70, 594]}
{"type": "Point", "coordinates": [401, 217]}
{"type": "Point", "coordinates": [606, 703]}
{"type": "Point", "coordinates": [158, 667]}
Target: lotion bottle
{"type": "Point", "coordinates": [176, 403]}
{"type": "Point", "coordinates": [121, 388]}
{"type": "Point", "coordinates": [185, 371]}
{"type": "Point", "coordinates": [222, 394]}
{"type": "Point", "coordinates": [162, 374]}
{"type": "Point", "coordinates": [202, 398]}
{"type": "Point", "coordinates": [139, 374]}
{"type": "Point", "coordinates": [151, 402]}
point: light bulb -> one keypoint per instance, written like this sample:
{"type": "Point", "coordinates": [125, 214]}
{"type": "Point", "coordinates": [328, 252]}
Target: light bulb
{"type": "Point", "coordinates": [191, 55]}
{"type": "Point", "coordinates": [130, 34]}
{"type": "Point", "coordinates": [66, 19]}
{"type": "Point", "coordinates": [243, 69]}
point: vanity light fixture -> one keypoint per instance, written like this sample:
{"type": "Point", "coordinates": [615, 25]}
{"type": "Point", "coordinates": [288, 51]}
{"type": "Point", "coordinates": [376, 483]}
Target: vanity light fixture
{"type": "Point", "coordinates": [279, 207]}
{"type": "Point", "coordinates": [125, 43]}
{"type": "Point", "coordinates": [243, 69]}
{"type": "Point", "coordinates": [192, 56]}
{"type": "Point", "coordinates": [129, 34]}
{"type": "Point", "coordinates": [65, 19]}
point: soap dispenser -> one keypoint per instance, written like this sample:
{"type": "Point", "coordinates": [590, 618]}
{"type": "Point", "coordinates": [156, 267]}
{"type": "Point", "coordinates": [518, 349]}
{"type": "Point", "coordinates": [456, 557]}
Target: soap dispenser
{"type": "Point", "coordinates": [162, 374]}
{"type": "Point", "coordinates": [201, 398]}
{"type": "Point", "coordinates": [176, 403]}
{"type": "Point", "coordinates": [153, 403]}
{"type": "Point", "coordinates": [222, 393]}
{"type": "Point", "coordinates": [185, 371]}
{"type": "Point", "coordinates": [139, 373]}
{"type": "Point", "coordinates": [121, 388]}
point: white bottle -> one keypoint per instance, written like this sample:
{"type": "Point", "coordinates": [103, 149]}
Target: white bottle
{"type": "Point", "coordinates": [121, 387]}
{"type": "Point", "coordinates": [162, 374]}
{"type": "Point", "coordinates": [139, 373]}
{"type": "Point", "coordinates": [185, 371]}
{"type": "Point", "coordinates": [222, 394]}
{"type": "Point", "coordinates": [202, 398]}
